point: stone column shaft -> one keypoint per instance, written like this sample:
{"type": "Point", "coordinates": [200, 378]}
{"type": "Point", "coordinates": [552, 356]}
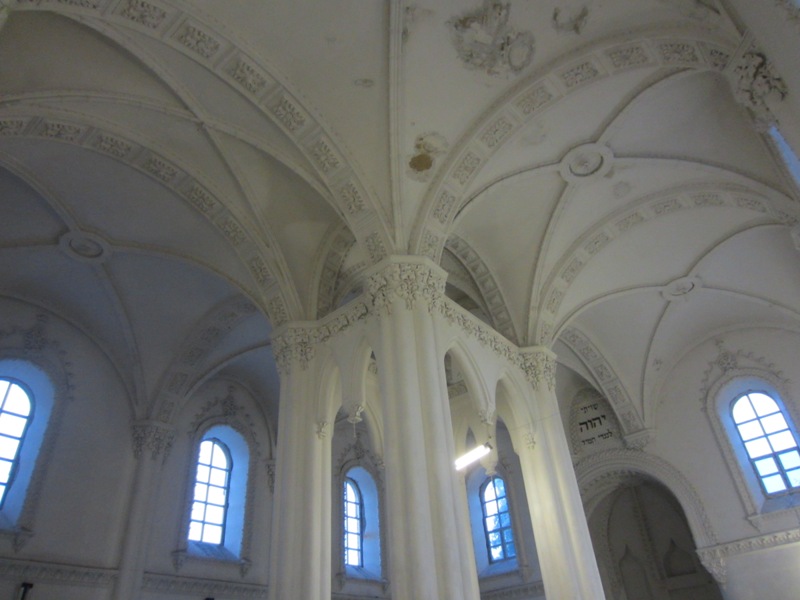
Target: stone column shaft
{"type": "Point", "coordinates": [430, 549]}
{"type": "Point", "coordinates": [300, 565]}
{"type": "Point", "coordinates": [567, 559]}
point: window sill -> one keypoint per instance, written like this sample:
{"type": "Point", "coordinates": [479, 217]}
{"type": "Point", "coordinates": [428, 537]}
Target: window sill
{"type": "Point", "coordinates": [209, 552]}
{"type": "Point", "coordinates": [500, 568]}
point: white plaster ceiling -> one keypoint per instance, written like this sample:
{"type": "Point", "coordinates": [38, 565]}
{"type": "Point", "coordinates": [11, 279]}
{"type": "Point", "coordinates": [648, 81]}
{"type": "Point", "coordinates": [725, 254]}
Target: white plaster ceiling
{"type": "Point", "coordinates": [245, 152]}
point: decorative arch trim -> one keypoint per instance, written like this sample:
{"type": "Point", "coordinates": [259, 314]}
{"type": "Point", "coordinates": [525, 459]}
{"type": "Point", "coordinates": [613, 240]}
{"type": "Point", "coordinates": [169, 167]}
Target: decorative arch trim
{"type": "Point", "coordinates": [600, 473]}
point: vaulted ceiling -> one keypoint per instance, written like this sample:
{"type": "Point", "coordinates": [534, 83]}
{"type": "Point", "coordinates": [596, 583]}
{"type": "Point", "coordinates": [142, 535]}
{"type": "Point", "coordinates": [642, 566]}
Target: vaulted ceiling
{"type": "Point", "coordinates": [178, 177]}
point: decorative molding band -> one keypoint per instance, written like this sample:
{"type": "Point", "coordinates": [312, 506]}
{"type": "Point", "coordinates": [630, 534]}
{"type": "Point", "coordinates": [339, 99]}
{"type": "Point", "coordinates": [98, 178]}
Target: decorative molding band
{"type": "Point", "coordinates": [171, 584]}
{"type": "Point", "coordinates": [166, 171]}
{"type": "Point", "coordinates": [408, 281]}
{"type": "Point", "coordinates": [606, 378]}
{"type": "Point", "coordinates": [617, 224]}
{"type": "Point", "coordinates": [18, 570]}
{"type": "Point", "coordinates": [297, 344]}
{"type": "Point", "coordinates": [715, 558]}
{"type": "Point", "coordinates": [527, 591]}
{"type": "Point", "coordinates": [602, 472]}
{"type": "Point", "coordinates": [488, 286]}
{"type": "Point", "coordinates": [183, 372]}
{"type": "Point", "coordinates": [153, 436]}
{"type": "Point", "coordinates": [230, 61]}
{"type": "Point", "coordinates": [532, 97]}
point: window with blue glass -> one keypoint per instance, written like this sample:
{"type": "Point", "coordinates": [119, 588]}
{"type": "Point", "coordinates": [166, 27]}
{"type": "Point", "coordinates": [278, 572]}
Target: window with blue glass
{"type": "Point", "coordinates": [211, 491]}
{"type": "Point", "coordinates": [497, 521]}
{"type": "Point", "coordinates": [16, 408]}
{"type": "Point", "coordinates": [353, 524]}
{"type": "Point", "coordinates": [769, 442]}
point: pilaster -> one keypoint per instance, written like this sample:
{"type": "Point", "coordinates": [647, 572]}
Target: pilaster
{"type": "Point", "coordinates": [152, 441]}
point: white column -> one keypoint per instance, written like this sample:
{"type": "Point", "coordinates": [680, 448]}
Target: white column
{"type": "Point", "coordinates": [430, 547]}
{"type": "Point", "coordinates": [300, 557]}
{"type": "Point", "coordinates": [568, 563]}
{"type": "Point", "coordinates": [151, 443]}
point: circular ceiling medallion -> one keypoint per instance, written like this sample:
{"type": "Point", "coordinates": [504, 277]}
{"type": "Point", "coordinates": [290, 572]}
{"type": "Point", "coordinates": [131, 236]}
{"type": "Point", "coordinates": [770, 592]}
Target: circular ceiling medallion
{"type": "Point", "coordinates": [681, 288]}
{"type": "Point", "coordinates": [586, 162]}
{"type": "Point", "coordinates": [84, 247]}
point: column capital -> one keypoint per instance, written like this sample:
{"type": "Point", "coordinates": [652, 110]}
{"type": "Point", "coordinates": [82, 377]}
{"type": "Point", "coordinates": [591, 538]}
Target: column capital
{"type": "Point", "coordinates": [412, 280]}
{"type": "Point", "coordinates": [539, 365]}
{"type": "Point", "coordinates": [294, 345]}
{"type": "Point", "coordinates": [153, 436]}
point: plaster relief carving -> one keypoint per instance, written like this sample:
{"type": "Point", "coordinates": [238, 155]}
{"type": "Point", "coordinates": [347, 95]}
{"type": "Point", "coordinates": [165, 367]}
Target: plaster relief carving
{"type": "Point", "coordinates": [156, 438]}
{"type": "Point", "coordinates": [84, 247]}
{"type": "Point", "coordinates": [198, 41]}
{"type": "Point", "coordinates": [485, 41]}
{"type": "Point", "coordinates": [427, 148]}
{"type": "Point", "coordinates": [679, 289]}
{"type": "Point", "coordinates": [407, 282]}
{"type": "Point", "coordinates": [570, 21]}
{"type": "Point", "coordinates": [144, 13]}
{"type": "Point", "coordinates": [586, 162]}
{"type": "Point", "coordinates": [756, 82]}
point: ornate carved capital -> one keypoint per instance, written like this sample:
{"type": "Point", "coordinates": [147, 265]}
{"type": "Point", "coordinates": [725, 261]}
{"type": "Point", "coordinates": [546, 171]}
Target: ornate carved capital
{"type": "Point", "coordinates": [295, 345]}
{"type": "Point", "coordinates": [413, 281]}
{"type": "Point", "coordinates": [539, 366]}
{"type": "Point", "coordinates": [153, 436]}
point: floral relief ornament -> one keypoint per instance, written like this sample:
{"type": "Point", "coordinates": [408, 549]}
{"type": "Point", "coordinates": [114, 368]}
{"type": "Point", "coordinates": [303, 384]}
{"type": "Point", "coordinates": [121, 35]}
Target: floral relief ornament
{"type": "Point", "coordinates": [485, 41]}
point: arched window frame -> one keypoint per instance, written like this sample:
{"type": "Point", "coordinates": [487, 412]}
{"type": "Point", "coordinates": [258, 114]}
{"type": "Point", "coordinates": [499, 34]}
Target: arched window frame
{"type": "Point", "coordinates": [35, 453]}
{"type": "Point", "coordinates": [476, 480]}
{"type": "Point", "coordinates": [7, 386]}
{"type": "Point", "coordinates": [719, 401]}
{"type": "Point", "coordinates": [237, 517]}
{"type": "Point", "coordinates": [211, 473]}
{"type": "Point", "coordinates": [353, 523]}
{"type": "Point", "coordinates": [359, 463]}
{"type": "Point", "coordinates": [507, 546]}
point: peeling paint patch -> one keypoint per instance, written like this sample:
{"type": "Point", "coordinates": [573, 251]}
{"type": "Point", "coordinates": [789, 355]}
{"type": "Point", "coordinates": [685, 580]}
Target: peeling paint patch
{"type": "Point", "coordinates": [427, 148]}
{"type": "Point", "coordinates": [570, 21]}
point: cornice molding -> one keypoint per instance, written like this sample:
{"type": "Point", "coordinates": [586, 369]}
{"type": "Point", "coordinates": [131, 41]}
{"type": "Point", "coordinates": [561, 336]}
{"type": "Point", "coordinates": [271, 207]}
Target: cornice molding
{"type": "Point", "coordinates": [59, 573]}
{"type": "Point", "coordinates": [715, 558]}
{"type": "Point", "coordinates": [154, 582]}
{"type": "Point", "coordinates": [408, 282]}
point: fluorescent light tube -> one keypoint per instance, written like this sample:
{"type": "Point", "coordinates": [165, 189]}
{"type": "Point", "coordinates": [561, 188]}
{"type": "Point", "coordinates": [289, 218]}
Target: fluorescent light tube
{"type": "Point", "coordinates": [473, 455]}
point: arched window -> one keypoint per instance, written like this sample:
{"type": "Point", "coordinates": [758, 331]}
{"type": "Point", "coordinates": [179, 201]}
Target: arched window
{"type": "Point", "coordinates": [497, 521]}
{"type": "Point", "coordinates": [211, 490]}
{"type": "Point", "coordinates": [768, 440]}
{"type": "Point", "coordinates": [16, 411]}
{"type": "Point", "coordinates": [353, 524]}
